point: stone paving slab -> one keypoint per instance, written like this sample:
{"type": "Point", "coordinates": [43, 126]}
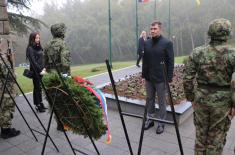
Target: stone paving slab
{"type": "Point", "coordinates": [153, 144]}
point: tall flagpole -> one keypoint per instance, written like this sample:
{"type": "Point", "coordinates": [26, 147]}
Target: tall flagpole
{"type": "Point", "coordinates": [136, 14]}
{"type": "Point", "coordinates": [155, 10]}
{"type": "Point", "coordinates": [110, 36]}
{"type": "Point", "coordinates": [169, 22]}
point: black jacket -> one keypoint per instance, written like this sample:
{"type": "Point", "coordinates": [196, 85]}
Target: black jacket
{"type": "Point", "coordinates": [140, 46]}
{"type": "Point", "coordinates": [157, 50]}
{"type": "Point", "coordinates": [36, 57]}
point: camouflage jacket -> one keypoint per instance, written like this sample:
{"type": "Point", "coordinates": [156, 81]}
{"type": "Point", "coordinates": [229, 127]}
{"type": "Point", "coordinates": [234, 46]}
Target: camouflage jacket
{"type": "Point", "coordinates": [4, 52]}
{"type": "Point", "coordinates": [210, 66]}
{"type": "Point", "coordinates": [4, 72]}
{"type": "Point", "coordinates": [58, 50]}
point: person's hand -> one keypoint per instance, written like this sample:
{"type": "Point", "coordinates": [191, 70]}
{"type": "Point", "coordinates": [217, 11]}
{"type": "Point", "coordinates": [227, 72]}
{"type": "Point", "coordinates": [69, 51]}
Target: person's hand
{"type": "Point", "coordinates": [232, 112]}
{"type": "Point", "coordinates": [65, 65]}
{"type": "Point", "coordinates": [194, 105]}
{"type": "Point", "coordinates": [43, 72]}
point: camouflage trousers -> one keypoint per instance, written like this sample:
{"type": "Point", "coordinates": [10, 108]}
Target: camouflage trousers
{"type": "Point", "coordinates": [7, 106]}
{"type": "Point", "coordinates": [212, 124]}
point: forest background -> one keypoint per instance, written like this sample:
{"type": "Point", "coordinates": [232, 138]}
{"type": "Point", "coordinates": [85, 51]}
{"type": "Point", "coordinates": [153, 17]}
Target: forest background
{"type": "Point", "coordinates": [88, 32]}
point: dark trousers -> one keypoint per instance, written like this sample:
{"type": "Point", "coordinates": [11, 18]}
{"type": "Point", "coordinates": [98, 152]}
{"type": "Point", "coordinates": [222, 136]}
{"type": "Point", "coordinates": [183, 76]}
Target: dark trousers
{"type": "Point", "coordinates": [139, 58]}
{"type": "Point", "coordinates": [151, 90]}
{"type": "Point", "coordinates": [37, 90]}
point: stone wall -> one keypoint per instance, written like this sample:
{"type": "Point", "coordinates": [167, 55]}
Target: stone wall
{"type": "Point", "coordinates": [4, 30]}
{"type": "Point", "coordinates": [4, 22]}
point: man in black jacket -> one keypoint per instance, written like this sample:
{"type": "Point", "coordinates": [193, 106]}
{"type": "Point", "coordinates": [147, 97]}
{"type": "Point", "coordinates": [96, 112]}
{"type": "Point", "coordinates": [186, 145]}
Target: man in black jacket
{"type": "Point", "coordinates": [140, 50]}
{"type": "Point", "coordinates": [157, 50]}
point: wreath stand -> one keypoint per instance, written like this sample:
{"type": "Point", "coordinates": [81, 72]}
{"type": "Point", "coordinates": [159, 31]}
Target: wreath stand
{"type": "Point", "coordinates": [121, 113]}
{"type": "Point", "coordinates": [5, 89]}
{"type": "Point", "coordinates": [52, 100]}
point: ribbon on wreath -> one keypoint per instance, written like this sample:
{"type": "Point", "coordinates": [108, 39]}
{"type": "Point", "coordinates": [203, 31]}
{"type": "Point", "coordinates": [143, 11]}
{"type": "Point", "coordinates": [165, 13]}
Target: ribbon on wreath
{"type": "Point", "coordinates": [101, 98]}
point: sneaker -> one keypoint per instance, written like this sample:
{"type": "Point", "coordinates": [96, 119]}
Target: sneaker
{"type": "Point", "coordinates": [148, 124]}
{"type": "Point", "coordinates": [160, 129]}
{"type": "Point", "coordinates": [9, 133]}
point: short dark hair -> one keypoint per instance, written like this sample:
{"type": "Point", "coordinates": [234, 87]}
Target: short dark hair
{"type": "Point", "coordinates": [156, 23]}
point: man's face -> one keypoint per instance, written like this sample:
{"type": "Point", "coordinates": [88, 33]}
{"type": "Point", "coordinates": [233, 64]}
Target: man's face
{"type": "Point", "coordinates": [155, 30]}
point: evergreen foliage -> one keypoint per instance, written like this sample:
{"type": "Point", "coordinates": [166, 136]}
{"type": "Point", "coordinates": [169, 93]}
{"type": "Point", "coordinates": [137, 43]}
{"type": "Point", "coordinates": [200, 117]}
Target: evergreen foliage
{"type": "Point", "coordinates": [20, 23]}
{"type": "Point", "coordinates": [83, 103]}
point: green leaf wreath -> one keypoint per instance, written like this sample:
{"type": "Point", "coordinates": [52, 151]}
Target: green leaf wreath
{"type": "Point", "coordinates": [82, 102]}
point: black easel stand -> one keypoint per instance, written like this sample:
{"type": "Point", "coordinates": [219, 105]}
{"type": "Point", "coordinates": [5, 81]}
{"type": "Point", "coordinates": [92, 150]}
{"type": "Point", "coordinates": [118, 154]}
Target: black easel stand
{"type": "Point", "coordinates": [9, 73]}
{"type": "Point", "coordinates": [3, 92]}
{"type": "Point", "coordinates": [119, 106]}
{"type": "Point", "coordinates": [145, 113]}
{"type": "Point", "coordinates": [56, 114]}
{"type": "Point", "coordinates": [163, 121]}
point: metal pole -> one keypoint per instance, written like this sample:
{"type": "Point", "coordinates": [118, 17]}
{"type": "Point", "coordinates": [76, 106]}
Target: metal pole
{"type": "Point", "coordinates": [49, 125]}
{"type": "Point", "coordinates": [110, 36]}
{"type": "Point", "coordinates": [11, 74]}
{"type": "Point", "coordinates": [169, 22]}
{"type": "Point", "coordinates": [172, 107]}
{"type": "Point", "coordinates": [142, 130]}
{"type": "Point", "coordinates": [9, 93]}
{"type": "Point", "coordinates": [155, 10]}
{"type": "Point", "coordinates": [119, 106]}
{"type": "Point", "coordinates": [71, 95]}
{"type": "Point", "coordinates": [137, 25]}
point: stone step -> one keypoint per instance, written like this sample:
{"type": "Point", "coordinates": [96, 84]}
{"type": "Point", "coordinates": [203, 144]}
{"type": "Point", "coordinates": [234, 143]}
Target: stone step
{"type": "Point", "coordinates": [183, 110]}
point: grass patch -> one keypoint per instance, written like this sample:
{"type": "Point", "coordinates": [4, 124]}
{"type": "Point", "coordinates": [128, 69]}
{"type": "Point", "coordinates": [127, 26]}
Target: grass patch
{"type": "Point", "coordinates": [81, 70]}
{"type": "Point", "coordinates": [179, 60]}
{"type": "Point", "coordinates": [25, 83]}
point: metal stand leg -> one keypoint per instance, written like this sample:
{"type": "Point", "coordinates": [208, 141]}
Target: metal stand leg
{"type": "Point", "coordinates": [119, 107]}
{"type": "Point", "coordinates": [15, 81]}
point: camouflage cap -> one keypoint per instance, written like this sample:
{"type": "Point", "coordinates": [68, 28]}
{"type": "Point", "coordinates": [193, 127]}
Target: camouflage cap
{"type": "Point", "coordinates": [220, 29]}
{"type": "Point", "coordinates": [58, 30]}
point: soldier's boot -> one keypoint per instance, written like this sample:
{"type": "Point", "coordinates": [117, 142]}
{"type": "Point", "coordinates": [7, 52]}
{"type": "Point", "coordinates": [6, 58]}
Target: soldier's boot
{"type": "Point", "coordinates": [42, 105]}
{"type": "Point", "coordinates": [9, 133]}
{"type": "Point", "coordinates": [61, 128]}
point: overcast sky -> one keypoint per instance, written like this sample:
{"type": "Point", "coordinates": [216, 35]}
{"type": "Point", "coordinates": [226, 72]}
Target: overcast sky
{"type": "Point", "coordinates": [37, 5]}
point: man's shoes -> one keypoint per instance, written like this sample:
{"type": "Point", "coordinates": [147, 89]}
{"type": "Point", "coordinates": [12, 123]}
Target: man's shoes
{"type": "Point", "coordinates": [160, 129]}
{"type": "Point", "coordinates": [138, 65]}
{"type": "Point", "coordinates": [40, 109]}
{"type": "Point", "coordinates": [148, 124]}
{"type": "Point", "coordinates": [9, 133]}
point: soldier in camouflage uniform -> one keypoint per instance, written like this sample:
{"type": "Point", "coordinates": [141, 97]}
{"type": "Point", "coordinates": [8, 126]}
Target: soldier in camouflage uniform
{"type": "Point", "coordinates": [212, 67]}
{"type": "Point", "coordinates": [7, 106]}
{"type": "Point", "coordinates": [58, 50]}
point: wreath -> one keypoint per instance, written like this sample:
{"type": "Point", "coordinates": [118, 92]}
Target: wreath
{"type": "Point", "coordinates": [82, 106]}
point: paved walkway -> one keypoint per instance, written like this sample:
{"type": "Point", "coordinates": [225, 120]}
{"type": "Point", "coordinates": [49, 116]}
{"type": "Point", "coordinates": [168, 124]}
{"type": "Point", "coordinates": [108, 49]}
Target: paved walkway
{"type": "Point", "coordinates": [164, 144]}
